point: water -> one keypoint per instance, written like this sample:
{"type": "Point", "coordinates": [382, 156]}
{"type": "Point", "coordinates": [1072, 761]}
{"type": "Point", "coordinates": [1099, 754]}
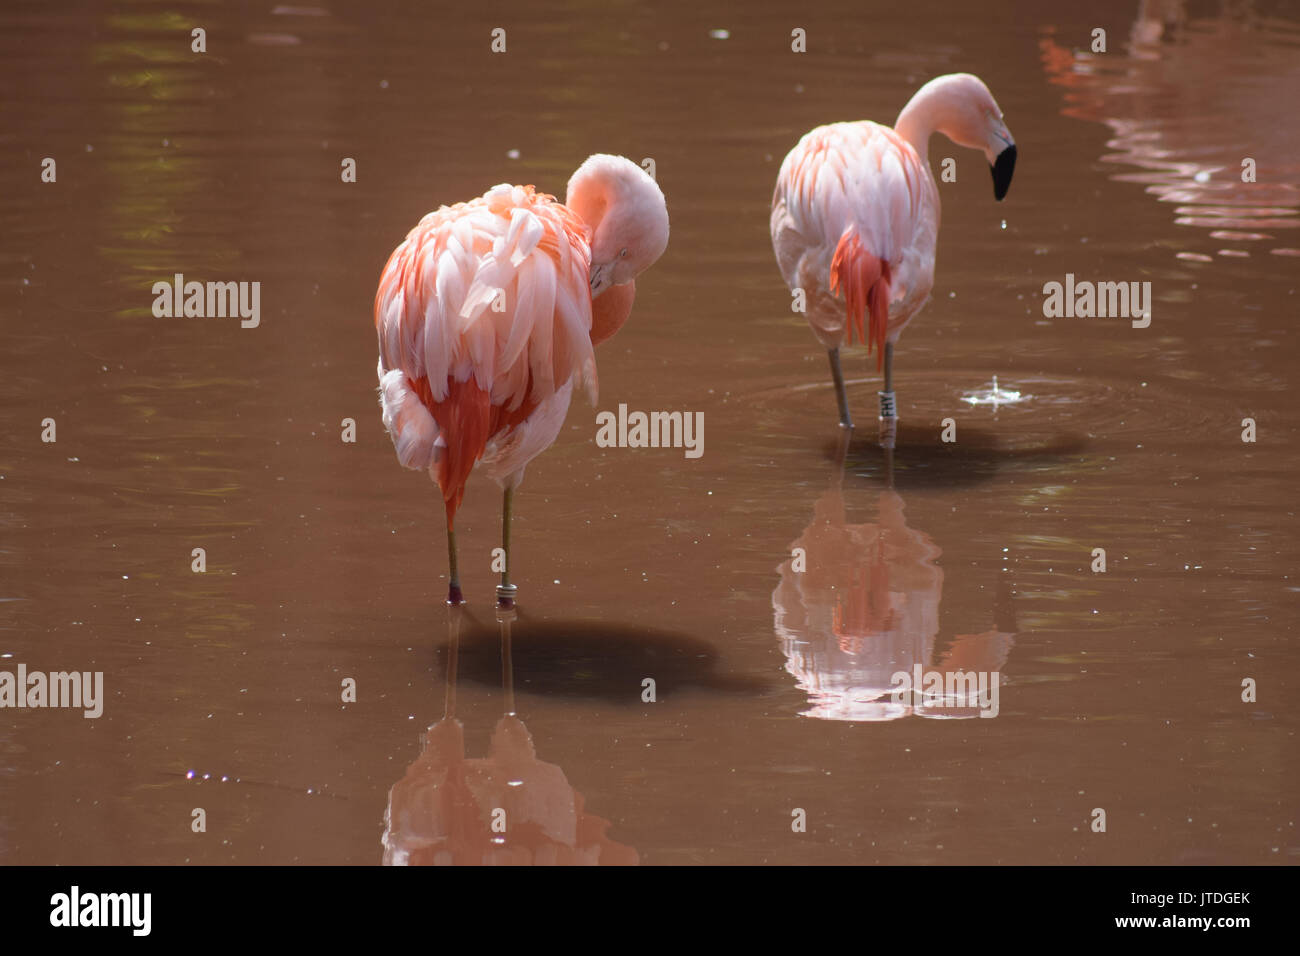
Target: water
{"type": "Point", "coordinates": [325, 562]}
{"type": "Point", "coordinates": [995, 395]}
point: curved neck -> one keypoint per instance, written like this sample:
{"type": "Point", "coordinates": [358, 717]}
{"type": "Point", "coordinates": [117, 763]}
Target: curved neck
{"type": "Point", "coordinates": [918, 120]}
{"type": "Point", "coordinates": [590, 199]}
{"type": "Point", "coordinates": [610, 310]}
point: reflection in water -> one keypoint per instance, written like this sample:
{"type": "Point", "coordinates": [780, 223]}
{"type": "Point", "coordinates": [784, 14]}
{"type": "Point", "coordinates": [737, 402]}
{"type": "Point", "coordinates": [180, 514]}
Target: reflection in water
{"type": "Point", "coordinates": [1191, 99]}
{"type": "Point", "coordinates": [195, 433]}
{"type": "Point", "coordinates": [507, 808]}
{"type": "Point", "coordinates": [866, 607]}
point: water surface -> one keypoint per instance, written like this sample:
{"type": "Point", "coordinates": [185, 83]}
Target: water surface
{"type": "Point", "coordinates": [325, 560]}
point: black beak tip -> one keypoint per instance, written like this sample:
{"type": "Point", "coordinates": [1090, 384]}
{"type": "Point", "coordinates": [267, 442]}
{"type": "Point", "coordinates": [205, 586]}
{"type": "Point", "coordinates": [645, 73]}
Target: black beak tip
{"type": "Point", "coordinates": [1002, 170]}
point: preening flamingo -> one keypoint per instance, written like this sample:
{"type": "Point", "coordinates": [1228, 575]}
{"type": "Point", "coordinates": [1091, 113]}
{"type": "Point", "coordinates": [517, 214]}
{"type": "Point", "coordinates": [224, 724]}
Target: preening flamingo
{"type": "Point", "coordinates": [855, 216]}
{"type": "Point", "coordinates": [487, 314]}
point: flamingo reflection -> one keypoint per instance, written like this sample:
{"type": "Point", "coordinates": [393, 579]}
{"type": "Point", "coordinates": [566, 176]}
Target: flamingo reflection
{"type": "Point", "coordinates": [1187, 100]}
{"type": "Point", "coordinates": [859, 603]}
{"type": "Point", "coordinates": [507, 808]}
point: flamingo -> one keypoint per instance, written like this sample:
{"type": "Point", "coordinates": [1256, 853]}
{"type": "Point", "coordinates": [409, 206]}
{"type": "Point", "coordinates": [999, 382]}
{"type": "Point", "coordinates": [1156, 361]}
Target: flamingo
{"type": "Point", "coordinates": [855, 215]}
{"type": "Point", "coordinates": [487, 314]}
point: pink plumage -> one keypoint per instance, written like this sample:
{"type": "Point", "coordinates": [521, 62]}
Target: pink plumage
{"type": "Point", "coordinates": [855, 216]}
{"type": "Point", "coordinates": [484, 315]}
{"type": "Point", "coordinates": [855, 207]}
{"type": "Point", "coordinates": [487, 314]}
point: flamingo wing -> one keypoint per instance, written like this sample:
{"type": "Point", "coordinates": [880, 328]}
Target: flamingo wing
{"type": "Point", "coordinates": [482, 313]}
{"type": "Point", "coordinates": [854, 212]}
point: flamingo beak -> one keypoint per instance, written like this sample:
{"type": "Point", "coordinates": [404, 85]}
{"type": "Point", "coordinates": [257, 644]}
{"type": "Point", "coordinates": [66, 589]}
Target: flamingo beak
{"type": "Point", "coordinates": [601, 277]}
{"type": "Point", "coordinates": [1002, 170]}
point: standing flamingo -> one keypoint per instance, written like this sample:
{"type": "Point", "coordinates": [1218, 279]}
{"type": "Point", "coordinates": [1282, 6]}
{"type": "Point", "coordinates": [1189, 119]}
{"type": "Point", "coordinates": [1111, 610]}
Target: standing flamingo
{"type": "Point", "coordinates": [856, 212]}
{"type": "Point", "coordinates": [487, 314]}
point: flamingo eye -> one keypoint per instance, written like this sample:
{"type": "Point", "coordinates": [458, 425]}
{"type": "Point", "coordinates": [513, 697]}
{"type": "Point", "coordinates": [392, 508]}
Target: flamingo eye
{"type": "Point", "coordinates": [623, 254]}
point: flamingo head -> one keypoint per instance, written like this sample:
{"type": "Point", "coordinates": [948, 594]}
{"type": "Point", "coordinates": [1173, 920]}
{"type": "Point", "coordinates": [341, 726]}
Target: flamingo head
{"type": "Point", "coordinates": [961, 107]}
{"type": "Point", "coordinates": [627, 214]}
{"type": "Point", "coordinates": [978, 125]}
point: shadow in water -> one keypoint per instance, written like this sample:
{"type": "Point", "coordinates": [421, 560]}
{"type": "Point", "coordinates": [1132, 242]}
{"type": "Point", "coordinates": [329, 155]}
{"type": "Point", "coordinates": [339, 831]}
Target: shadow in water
{"type": "Point", "coordinates": [921, 460]}
{"type": "Point", "coordinates": [597, 660]}
{"type": "Point", "coordinates": [505, 808]}
{"type": "Point", "coordinates": [858, 605]}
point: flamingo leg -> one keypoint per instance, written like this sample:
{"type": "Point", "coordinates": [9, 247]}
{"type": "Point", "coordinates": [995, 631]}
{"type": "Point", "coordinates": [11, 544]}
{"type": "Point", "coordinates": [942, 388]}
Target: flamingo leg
{"type": "Point", "coordinates": [454, 595]}
{"type": "Point", "coordinates": [505, 590]}
{"type": "Point", "coordinates": [888, 407]}
{"type": "Point", "coordinates": [840, 395]}
{"type": "Point", "coordinates": [888, 410]}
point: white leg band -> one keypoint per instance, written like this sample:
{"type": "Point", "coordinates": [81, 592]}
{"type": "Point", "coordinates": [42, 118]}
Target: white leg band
{"type": "Point", "coordinates": [887, 407]}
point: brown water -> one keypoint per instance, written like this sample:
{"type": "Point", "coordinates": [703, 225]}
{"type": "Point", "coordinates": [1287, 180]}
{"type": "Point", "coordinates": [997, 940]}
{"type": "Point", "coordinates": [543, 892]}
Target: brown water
{"type": "Point", "coordinates": [325, 560]}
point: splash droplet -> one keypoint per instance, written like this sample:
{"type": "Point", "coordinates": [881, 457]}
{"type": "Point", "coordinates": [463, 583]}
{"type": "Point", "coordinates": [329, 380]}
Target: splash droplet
{"type": "Point", "coordinates": [995, 396]}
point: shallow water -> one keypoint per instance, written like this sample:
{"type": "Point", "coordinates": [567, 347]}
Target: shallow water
{"type": "Point", "coordinates": [325, 560]}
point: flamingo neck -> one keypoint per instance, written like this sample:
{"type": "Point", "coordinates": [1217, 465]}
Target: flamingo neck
{"type": "Point", "coordinates": [610, 310]}
{"type": "Point", "coordinates": [590, 200]}
{"type": "Point", "coordinates": [920, 118]}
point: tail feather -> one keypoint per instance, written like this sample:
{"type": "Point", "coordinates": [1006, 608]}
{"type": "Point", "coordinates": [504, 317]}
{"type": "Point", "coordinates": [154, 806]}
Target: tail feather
{"type": "Point", "coordinates": [466, 420]}
{"type": "Point", "coordinates": [463, 419]}
{"type": "Point", "coordinates": [864, 281]}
